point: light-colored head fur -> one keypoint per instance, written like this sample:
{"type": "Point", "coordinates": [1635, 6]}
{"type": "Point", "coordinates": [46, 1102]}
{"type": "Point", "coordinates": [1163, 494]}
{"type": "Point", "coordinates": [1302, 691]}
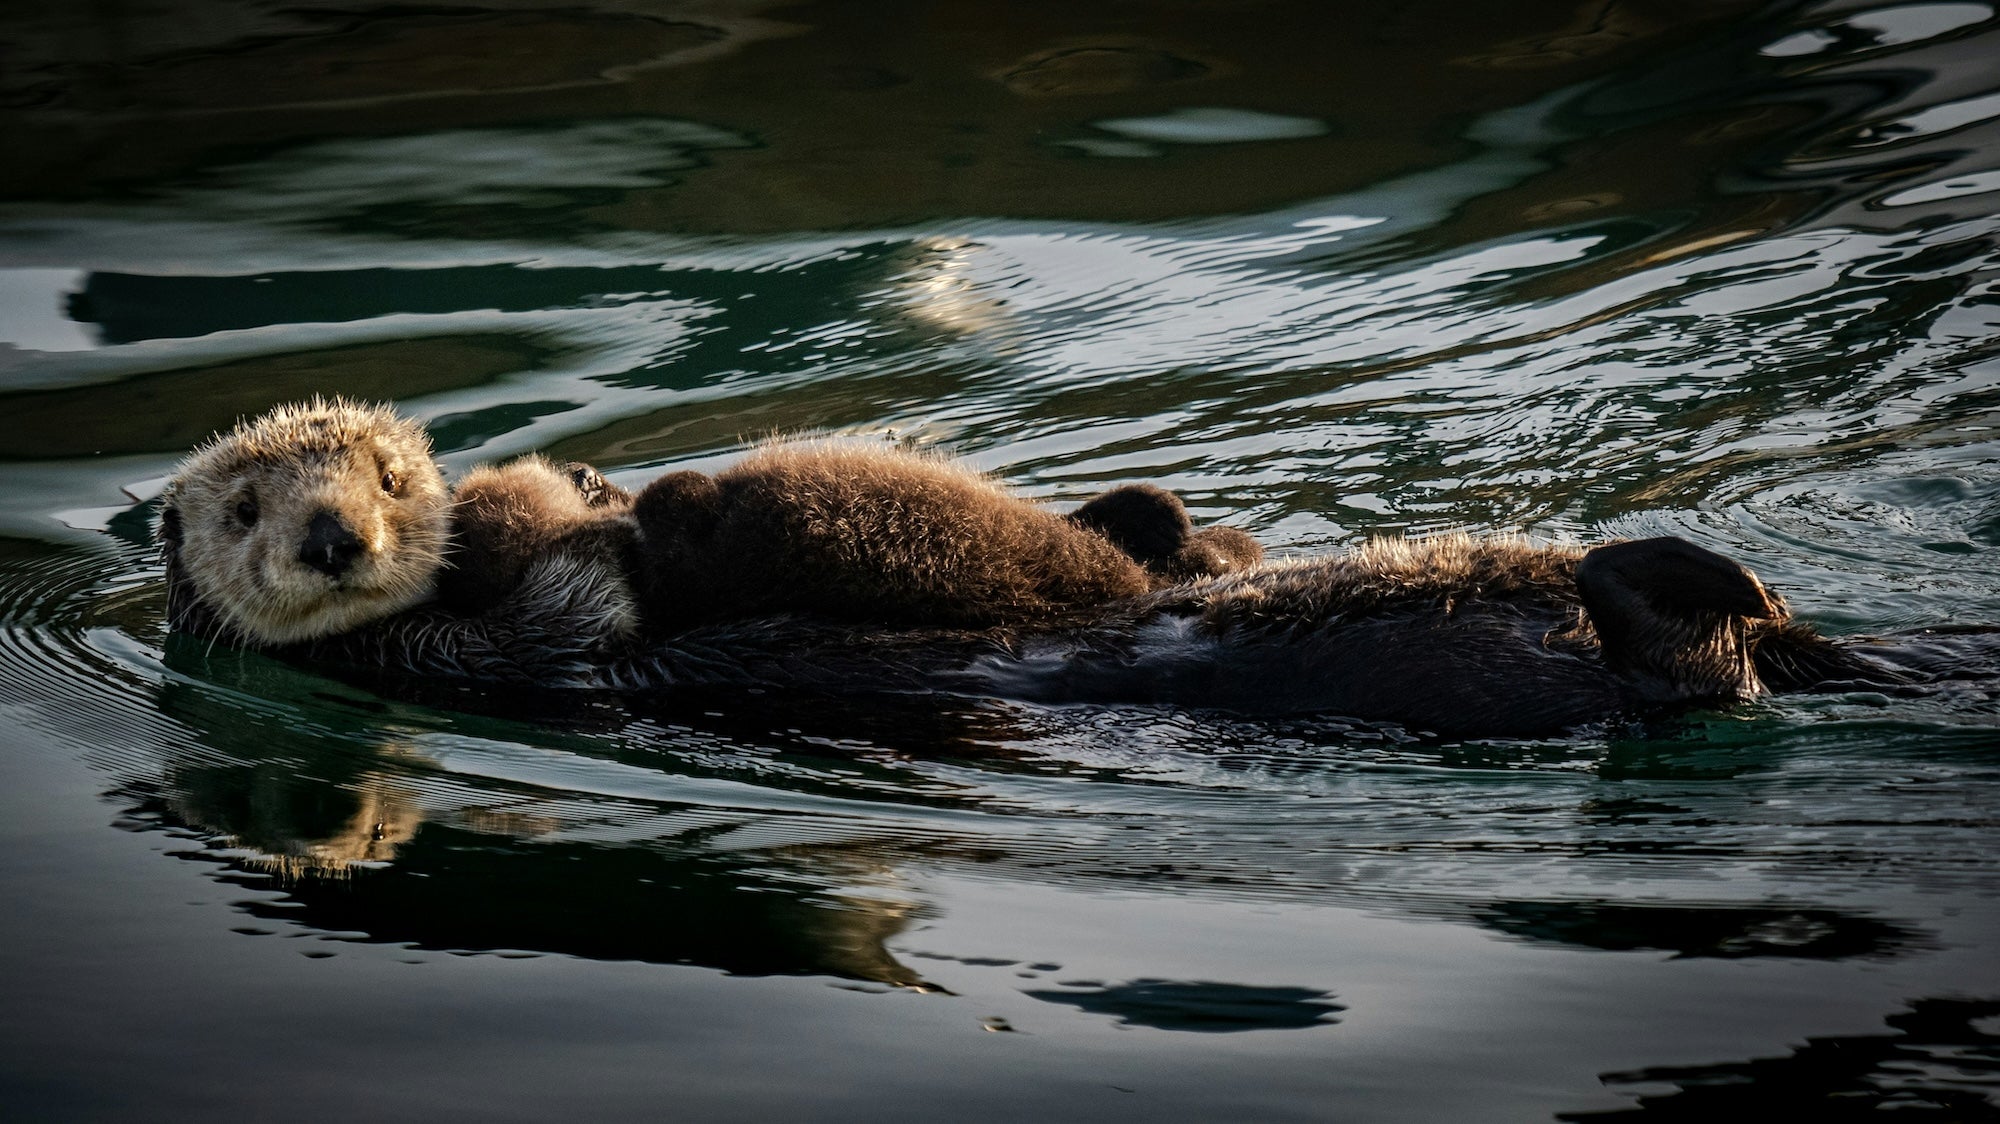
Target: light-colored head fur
{"type": "Point", "coordinates": [248, 518]}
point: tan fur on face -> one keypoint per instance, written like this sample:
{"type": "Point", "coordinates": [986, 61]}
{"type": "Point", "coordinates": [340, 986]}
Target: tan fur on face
{"type": "Point", "coordinates": [293, 464]}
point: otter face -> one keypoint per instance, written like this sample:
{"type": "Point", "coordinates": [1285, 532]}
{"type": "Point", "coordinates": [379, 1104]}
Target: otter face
{"type": "Point", "coordinates": [309, 521]}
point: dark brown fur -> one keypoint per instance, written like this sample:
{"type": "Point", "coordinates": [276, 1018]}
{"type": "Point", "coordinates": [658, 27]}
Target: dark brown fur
{"type": "Point", "coordinates": [1451, 634]}
{"type": "Point", "coordinates": [1151, 525]}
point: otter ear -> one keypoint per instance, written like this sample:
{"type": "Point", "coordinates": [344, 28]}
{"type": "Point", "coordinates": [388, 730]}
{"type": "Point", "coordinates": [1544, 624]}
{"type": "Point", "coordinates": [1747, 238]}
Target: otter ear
{"type": "Point", "coordinates": [1638, 592]}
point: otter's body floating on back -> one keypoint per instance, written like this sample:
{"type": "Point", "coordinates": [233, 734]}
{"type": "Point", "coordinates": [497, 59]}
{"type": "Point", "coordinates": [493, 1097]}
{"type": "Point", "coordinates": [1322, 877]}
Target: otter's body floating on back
{"type": "Point", "coordinates": [1453, 635]}
{"type": "Point", "coordinates": [319, 533]}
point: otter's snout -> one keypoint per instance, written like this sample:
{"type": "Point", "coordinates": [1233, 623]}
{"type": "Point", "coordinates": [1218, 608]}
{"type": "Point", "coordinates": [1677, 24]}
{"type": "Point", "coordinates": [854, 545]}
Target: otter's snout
{"type": "Point", "coordinates": [330, 547]}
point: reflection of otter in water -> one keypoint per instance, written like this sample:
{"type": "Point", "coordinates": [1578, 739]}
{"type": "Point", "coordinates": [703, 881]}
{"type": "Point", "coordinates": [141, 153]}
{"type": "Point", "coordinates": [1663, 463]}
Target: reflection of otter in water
{"type": "Point", "coordinates": [1452, 635]}
{"type": "Point", "coordinates": [1934, 1062]}
{"type": "Point", "coordinates": [363, 838]}
{"type": "Point", "coordinates": [314, 520]}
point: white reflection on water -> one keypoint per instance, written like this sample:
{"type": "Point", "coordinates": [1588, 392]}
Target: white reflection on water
{"type": "Point", "coordinates": [1214, 125]}
{"type": "Point", "coordinates": [1954, 188]}
{"type": "Point", "coordinates": [1881, 27]}
{"type": "Point", "coordinates": [32, 312]}
{"type": "Point", "coordinates": [462, 167]}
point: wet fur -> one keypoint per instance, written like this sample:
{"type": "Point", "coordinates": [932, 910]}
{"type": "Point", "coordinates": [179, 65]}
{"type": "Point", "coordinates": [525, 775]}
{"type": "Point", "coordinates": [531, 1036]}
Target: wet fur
{"type": "Point", "coordinates": [864, 534]}
{"type": "Point", "coordinates": [508, 517]}
{"type": "Point", "coordinates": [1453, 634]}
{"type": "Point", "coordinates": [869, 535]}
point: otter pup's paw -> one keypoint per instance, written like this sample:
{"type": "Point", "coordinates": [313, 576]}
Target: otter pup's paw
{"type": "Point", "coordinates": [1211, 552]}
{"type": "Point", "coordinates": [594, 488]}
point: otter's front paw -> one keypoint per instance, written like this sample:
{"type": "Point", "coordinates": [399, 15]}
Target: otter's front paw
{"type": "Point", "coordinates": [593, 487]}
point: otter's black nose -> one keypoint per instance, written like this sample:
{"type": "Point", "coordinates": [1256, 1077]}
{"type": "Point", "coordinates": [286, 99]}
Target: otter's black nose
{"type": "Point", "coordinates": [329, 547]}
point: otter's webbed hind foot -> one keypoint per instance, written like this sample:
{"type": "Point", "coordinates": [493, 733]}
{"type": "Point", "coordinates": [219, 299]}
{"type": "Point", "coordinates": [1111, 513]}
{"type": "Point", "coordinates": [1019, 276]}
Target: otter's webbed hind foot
{"type": "Point", "coordinates": [1151, 525]}
{"type": "Point", "coordinates": [1673, 617]}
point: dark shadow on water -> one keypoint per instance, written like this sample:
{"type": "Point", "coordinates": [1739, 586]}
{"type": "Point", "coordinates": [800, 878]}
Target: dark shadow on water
{"type": "Point", "coordinates": [1709, 931]}
{"type": "Point", "coordinates": [1202, 1006]}
{"type": "Point", "coordinates": [1941, 1062]}
{"type": "Point", "coordinates": [127, 307]}
{"type": "Point", "coordinates": [813, 115]}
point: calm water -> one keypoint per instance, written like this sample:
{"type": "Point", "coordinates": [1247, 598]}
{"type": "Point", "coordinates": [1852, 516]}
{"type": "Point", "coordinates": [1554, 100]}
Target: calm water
{"type": "Point", "coordinates": [1725, 271]}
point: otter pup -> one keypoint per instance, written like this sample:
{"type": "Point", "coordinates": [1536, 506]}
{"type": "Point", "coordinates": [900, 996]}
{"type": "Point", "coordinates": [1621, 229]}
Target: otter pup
{"type": "Point", "coordinates": [315, 520]}
{"type": "Point", "coordinates": [891, 538]}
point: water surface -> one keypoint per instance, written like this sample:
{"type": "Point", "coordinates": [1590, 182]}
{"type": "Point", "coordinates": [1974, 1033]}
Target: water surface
{"type": "Point", "coordinates": [1623, 269]}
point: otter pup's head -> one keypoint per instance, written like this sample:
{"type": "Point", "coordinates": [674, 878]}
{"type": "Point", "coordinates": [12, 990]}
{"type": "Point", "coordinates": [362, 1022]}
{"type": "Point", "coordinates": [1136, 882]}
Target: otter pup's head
{"type": "Point", "coordinates": [306, 522]}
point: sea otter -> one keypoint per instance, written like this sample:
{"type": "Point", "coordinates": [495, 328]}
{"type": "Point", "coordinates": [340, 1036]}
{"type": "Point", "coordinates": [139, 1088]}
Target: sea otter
{"type": "Point", "coordinates": [1453, 635]}
{"type": "Point", "coordinates": [314, 520]}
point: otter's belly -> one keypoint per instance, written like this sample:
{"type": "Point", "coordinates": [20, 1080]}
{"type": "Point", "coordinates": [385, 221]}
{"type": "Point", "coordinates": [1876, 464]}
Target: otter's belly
{"type": "Point", "coordinates": [1465, 674]}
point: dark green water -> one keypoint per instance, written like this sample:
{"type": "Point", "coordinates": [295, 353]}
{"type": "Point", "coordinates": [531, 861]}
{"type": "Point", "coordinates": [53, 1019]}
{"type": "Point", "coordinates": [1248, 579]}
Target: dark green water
{"type": "Point", "coordinates": [1723, 271]}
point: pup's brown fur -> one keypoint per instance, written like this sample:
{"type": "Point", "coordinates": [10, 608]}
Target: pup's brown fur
{"type": "Point", "coordinates": [1151, 525]}
{"type": "Point", "coordinates": [865, 534]}
{"type": "Point", "coordinates": [506, 517]}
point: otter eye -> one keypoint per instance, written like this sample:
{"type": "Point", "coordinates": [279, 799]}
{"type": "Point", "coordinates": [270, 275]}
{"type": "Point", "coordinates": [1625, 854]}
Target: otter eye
{"type": "Point", "coordinates": [391, 482]}
{"type": "Point", "coordinates": [246, 513]}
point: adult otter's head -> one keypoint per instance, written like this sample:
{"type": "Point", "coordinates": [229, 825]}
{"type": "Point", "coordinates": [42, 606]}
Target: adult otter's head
{"type": "Point", "coordinates": [306, 522]}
